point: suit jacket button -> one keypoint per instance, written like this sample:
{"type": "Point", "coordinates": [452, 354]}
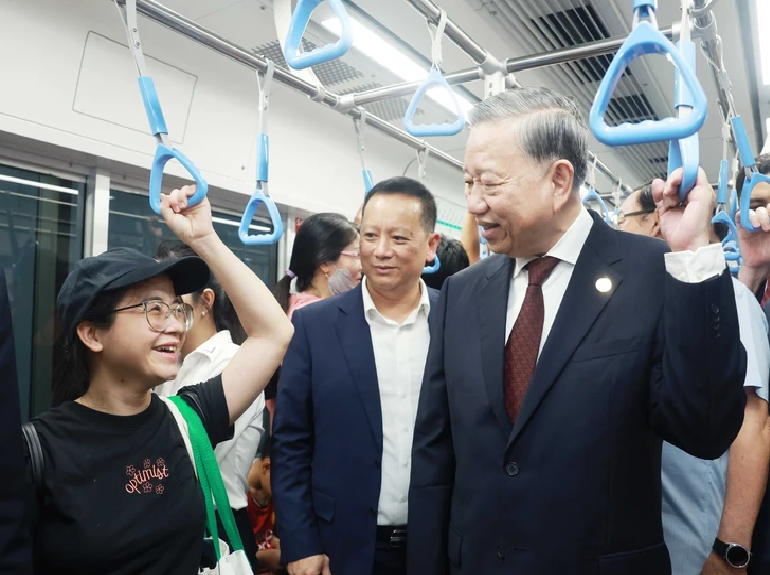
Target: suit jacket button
{"type": "Point", "coordinates": [377, 463]}
{"type": "Point", "coordinates": [501, 551]}
{"type": "Point", "coordinates": [373, 511]}
{"type": "Point", "coordinates": [511, 468]}
{"type": "Point", "coordinates": [714, 308]}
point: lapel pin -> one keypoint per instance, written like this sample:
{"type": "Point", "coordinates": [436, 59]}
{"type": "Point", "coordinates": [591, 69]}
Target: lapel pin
{"type": "Point", "coordinates": [603, 285]}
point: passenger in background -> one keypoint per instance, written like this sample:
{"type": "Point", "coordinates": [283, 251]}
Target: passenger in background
{"type": "Point", "coordinates": [638, 215]}
{"type": "Point", "coordinates": [698, 492]}
{"type": "Point", "coordinates": [469, 237]}
{"type": "Point", "coordinates": [262, 514]}
{"type": "Point", "coordinates": [325, 261]}
{"type": "Point", "coordinates": [753, 271]}
{"type": "Point", "coordinates": [453, 258]}
{"type": "Point", "coordinates": [348, 397]}
{"type": "Point", "coordinates": [208, 348]}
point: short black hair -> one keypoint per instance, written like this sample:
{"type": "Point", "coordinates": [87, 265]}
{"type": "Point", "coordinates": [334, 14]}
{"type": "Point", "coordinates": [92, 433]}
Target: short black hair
{"type": "Point", "coordinates": [453, 258]}
{"type": "Point", "coordinates": [763, 167]}
{"type": "Point", "coordinates": [645, 200]}
{"type": "Point", "coordinates": [407, 187]}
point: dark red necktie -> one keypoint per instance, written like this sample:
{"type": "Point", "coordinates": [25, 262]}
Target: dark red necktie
{"type": "Point", "coordinates": [524, 342]}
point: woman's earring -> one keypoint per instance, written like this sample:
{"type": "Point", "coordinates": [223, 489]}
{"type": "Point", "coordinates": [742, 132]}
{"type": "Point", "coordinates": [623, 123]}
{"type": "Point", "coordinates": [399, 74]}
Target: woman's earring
{"type": "Point", "coordinates": [203, 313]}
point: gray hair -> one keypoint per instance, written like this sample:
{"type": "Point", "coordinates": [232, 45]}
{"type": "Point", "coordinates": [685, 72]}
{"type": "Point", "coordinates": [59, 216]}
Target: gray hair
{"type": "Point", "coordinates": [552, 126]}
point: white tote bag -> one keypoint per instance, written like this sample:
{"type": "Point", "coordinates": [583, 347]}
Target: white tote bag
{"type": "Point", "coordinates": [228, 563]}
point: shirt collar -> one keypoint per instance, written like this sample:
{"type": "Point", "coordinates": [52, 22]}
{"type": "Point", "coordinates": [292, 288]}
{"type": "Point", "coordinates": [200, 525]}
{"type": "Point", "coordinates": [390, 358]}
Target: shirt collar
{"type": "Point", "coordinates": [209, 347]}
{"type": "Point", "coordinates": [370, 309]}
{"type": "Point", "coordinates": [569, 246]}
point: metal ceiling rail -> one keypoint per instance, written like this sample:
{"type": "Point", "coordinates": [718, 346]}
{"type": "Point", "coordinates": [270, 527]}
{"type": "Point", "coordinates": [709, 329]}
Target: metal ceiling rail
{"type": "Point", "coordinates": [156, 12]}
{"type": "Point", "coordinates": [711, 43]}
{"type": "Point", "coordinates": [488, 64]}
{"type": "Point", "coordinates": [534, 61]}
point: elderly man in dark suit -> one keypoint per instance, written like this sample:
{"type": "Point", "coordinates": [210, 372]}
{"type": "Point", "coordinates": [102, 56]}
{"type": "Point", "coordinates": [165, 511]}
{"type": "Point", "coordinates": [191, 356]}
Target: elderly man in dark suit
{"type": "Point", "coordinates": [557, 367]}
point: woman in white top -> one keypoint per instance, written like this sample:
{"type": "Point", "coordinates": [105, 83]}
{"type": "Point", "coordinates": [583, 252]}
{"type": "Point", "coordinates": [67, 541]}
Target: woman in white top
{"type": "Point", "coordinates": [208, 348]}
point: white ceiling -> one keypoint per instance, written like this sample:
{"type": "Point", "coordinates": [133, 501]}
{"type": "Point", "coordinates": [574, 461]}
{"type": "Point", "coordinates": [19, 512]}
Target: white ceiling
{"type": "Point", "coordinates": [505, 28]}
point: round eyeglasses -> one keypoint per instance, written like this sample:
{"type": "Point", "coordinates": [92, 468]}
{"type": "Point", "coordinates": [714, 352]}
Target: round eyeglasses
{"type": "Point", "coordinates": [158, 314]}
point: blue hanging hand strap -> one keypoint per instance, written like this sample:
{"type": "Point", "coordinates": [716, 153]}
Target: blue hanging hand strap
{"type": "Point", "coordinates": [437, 81]}
{"type": "Point", "coordinates": [684, 153]}
{"type": "Point", "coordinates": [165, 150]}
{"type": "Point", "coordinates": [422, 175]}
{"type": "Point", "coordinates": [433, 268]}
{"type": "Point", "coordinates": [593, 196]}
{"type": "Point", "coordinates": [261, 195]}
{"type": "Point", "coordinates": [645, 38]}
{"type": "Point", "coordinates": [360, 125]}
{"type": "Point", "coordinates": [299, 21]}
{"type": "Point", "coordinates": [751, 174]}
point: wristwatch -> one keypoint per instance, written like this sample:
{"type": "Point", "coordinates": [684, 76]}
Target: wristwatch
{"type": "Point", "coordinates": [735, 555]}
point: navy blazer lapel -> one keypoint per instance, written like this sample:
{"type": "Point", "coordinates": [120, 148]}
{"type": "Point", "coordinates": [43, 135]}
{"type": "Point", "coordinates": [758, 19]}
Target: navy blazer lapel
{"type": "Point", "coordinates": [433, 300]}
{"type": "Point", "coordinates": [356, 342]}
{"type": "Point", "coordinates": [579, 309]}
{"type": "Point", "coordinates": [493, 307]}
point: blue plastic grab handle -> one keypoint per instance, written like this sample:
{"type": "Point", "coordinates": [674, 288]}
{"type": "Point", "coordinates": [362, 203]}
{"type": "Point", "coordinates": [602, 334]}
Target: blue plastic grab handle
{"type": "Point", "coordinates": [434, 268]}
{"type": "Point", "coordinates": [684, 153]}
{"type": "Point", "coordinates": [732, 233]}
{"type": "Point", "coordinates": [646, 39]}
{"type": "Point", "coordinates": [323, 54]}
{"type": "Point", "coordinates": [435, 78]}
{"type": "Point", "coordinates": [162, 155]}
{"type": "Point", "coordinates": [368, 180]}
{"type": "Point", "coordinates": [258, 197]}
{"type": "Point", "coordinates": [747, 159]}
{"type": "Point", "coordinates": [733, 204]}
{"type": "Point", "coordinates": [592, 195]}
{"type": "Point", "coordinates": [263, 157]}
{"type": "Point", "coordinates": [724, 170]}
{"type": "Point", "coordinates": [152, 106]}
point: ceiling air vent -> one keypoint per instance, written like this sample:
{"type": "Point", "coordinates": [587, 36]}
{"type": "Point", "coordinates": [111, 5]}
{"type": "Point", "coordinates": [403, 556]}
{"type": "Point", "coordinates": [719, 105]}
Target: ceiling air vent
{"type": "Point", "coordinates": [633, 108]}
{"type": "Point", "coordinates": [577, 26]}
{"type": "Point", "coordinates": [330, 73]}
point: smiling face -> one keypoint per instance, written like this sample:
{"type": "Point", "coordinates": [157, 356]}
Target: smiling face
{"type": "Point", "coordinates": [514, 198]}
{"type": "Point", "coordinates": [130, 349]}
{"type": "Point", "coordinates": [395, 245]}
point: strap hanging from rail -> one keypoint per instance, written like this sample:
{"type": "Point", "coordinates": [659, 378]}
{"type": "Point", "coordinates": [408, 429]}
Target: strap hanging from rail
{"type": "Point", "coordinates": [684, 153]}
{"type": "Point", "coordinates": [422, 175]}
{"type": "Point", "coordinates": [282, 14]}
{"type": "Point", "coordinates": [261, 194]}
{"type": "Point", "coordinates": [592, 195]}
{"type": "Point", "coordinates": [645, 38]}
{"type": "Point", "coordinates": [435, 80]}
{"type": "Point", "coordinates": [164, 150]}
{"type": "Point", "coordinates": [360, 125]}
{"type": "Point", "coordinates": [751, 173]}
{"type": "Point", "coordinates": [292, 45]}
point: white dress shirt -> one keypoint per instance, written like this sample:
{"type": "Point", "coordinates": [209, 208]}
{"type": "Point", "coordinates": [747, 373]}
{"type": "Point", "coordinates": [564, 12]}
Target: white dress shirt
{"type": "Point", "coordinates": [235, 456]}
{"type": "Point", "coordinates": [693, 267]}
{"type": "Point", "coordinates": [400, 351]}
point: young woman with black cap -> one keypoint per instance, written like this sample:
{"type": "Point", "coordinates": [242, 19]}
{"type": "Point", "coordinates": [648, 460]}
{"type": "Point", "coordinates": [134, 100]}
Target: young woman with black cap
{"type": "Point", "coordinates": [119, 493]}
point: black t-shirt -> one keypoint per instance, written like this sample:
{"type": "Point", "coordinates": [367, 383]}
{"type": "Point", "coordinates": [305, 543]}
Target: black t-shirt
{"type": "Point", "coordinates": [120, 496]}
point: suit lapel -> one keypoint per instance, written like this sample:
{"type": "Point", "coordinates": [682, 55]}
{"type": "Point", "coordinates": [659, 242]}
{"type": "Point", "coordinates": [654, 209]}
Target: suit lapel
{"type": "Point", "coordinates": [493, 306]}
{"type": "Point", "coordinates": [356, 343]}
{"type": "Point", "coordinates": [580, 307]}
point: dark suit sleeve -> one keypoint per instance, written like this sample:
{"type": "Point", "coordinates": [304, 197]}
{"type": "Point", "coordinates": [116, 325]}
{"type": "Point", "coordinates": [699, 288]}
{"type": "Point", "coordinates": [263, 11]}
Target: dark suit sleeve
{"type": "Point", "coordinates": [433, 461]}
{"type": "Point", "coordinates": [15, 541]}
{"type": "Point", "coordinates": [292, 452]}
{"type": "Point", "coordinates": [696, 393]}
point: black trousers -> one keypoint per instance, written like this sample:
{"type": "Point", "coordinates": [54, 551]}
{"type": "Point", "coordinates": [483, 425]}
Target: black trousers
{"type": "Point", "coordinates": [389, 560]}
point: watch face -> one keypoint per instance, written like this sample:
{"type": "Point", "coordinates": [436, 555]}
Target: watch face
{"type": "Point", "coordinates": [737, 556]}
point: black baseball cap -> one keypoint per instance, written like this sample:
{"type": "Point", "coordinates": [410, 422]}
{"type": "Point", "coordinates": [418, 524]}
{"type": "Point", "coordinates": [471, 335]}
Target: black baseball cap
{"type": "Point", "coordinates": [117, 269]}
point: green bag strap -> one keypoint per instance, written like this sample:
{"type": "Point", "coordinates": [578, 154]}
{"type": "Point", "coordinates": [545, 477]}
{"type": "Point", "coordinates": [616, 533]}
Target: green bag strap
{"type": "Point", "coordinates": [210, 478]}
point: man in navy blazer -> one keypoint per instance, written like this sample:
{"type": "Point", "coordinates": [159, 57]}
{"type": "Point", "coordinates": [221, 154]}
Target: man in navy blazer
{"type": "Point", "coordinates": [348, 396]}
{"type": "Point", "coordinates": [625, 345]}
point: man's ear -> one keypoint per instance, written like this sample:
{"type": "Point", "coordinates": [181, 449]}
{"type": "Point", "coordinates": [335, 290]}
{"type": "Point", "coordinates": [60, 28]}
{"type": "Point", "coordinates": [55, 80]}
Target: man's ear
{"type": "Point", "coordinates": [89, 335]}
{"type": "Point", "coordinates": [562, 176]}
{"type": "Point", "coordinates": [433, 241]}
